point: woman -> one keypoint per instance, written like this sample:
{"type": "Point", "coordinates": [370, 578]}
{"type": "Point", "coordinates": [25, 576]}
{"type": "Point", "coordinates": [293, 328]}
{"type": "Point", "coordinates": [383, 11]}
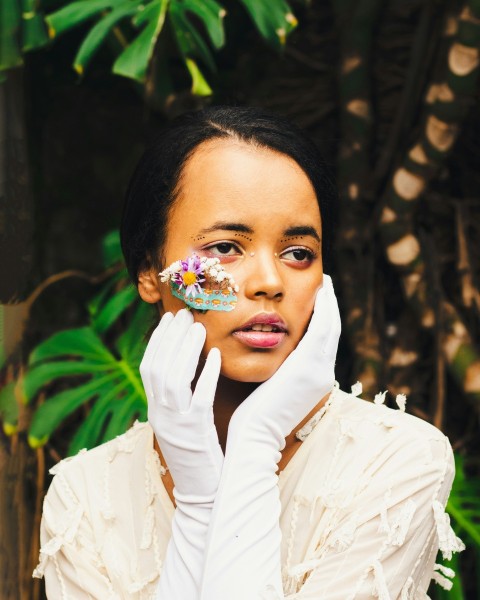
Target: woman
{"type": "Point", "coordinates": [266, 480]}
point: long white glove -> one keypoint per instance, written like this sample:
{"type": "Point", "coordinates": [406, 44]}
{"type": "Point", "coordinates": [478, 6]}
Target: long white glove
{"type": "Point", "coordinates": [184, 427]}
{"type": "Point", "coordinates": [242, 560]}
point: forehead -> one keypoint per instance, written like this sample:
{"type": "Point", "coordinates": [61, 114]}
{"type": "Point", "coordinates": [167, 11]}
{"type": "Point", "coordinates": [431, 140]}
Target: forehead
{"type": "Point", "coordinates": [226, 179]}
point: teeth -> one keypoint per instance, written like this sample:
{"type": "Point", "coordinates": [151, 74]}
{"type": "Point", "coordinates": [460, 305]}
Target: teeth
{"type": "Point", "coordinates": [262, 327]}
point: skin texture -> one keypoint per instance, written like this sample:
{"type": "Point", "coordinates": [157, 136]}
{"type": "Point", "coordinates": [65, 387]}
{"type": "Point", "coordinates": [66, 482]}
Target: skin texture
{"type": "Point", "coordinates": [267, 193]}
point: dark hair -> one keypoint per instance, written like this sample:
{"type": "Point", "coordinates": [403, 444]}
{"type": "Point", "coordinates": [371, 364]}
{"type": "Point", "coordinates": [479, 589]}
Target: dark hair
{"type": "Point", "coordinates": [154, 185]}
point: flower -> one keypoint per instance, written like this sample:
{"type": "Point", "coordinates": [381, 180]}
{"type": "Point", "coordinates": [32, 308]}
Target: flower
{"type": "Point", "coordinates": [190, 275]}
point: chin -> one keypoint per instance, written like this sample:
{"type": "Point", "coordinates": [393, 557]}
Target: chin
{"type": "Point", "coordinates": [257, 369]}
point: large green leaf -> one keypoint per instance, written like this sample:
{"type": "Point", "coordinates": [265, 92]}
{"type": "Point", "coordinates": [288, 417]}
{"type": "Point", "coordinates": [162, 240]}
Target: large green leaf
{"type": "Point", "coordinates": [113, 308]}
{"type": "Point", "coordinates": [99, 32]}
{"type": "Point", "coordinates": [75, 13]}
{"type": "Point", "coordinates": [111, 248]}
{"type": "Point", "coordinates": [9, 408]}
{"type": "Point", "coordinates": [134, 60]}
{"type": "Point", "coordinates": [122, 417]}
{"type": "Point", "coordinates": [211, 14]}
{"type": "Point", "coordinates": [55, 409]}
{"type": "Point", "coordinates": [83, 342]}
{"type": "Point", "coordinates": [45, 372]}
{"type": "Point", "coordinates": [108, 288]}
{"type": "Point", "coordinates": [273, 18]}
{"type": "Point", "coordinates": [90, 431]}
{"type": "Point", "coordinates": [10, 19]}
{"type": "Point", "coordinates": [132, 343]}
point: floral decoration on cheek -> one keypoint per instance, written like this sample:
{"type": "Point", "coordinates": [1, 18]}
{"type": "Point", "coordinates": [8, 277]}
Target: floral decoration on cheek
{"type": "Point", "coordinates": [202, 283]}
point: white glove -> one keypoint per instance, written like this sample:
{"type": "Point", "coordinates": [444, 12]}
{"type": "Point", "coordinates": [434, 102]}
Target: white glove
{"type": "Point", "coordinates": [242, 559]}
{"type": "Point", "coordinates": [184, 427]}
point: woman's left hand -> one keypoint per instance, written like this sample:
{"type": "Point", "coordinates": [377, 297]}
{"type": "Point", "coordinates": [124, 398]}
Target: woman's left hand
{"type": "Point", "coordinates": [305, 377]}
{"type": "Point", "coordinates": [243, 559]}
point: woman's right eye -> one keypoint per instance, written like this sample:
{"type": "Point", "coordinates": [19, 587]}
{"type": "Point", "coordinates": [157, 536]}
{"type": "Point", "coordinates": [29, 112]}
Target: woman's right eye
{"type": "Point", "coordinates": [223, 249]}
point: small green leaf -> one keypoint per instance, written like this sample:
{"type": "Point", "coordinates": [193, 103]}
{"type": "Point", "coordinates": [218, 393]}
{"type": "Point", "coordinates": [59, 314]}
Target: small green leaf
{"type": "Point", "coordinates": [99, 32]}
{"type": "Point", "coordinates": [9, 408]}
{"type": "Point", "coordinates": [273, 18]}
{"type": "Point", "coordinates": [10, 20]}
{"type": "Point", "coordinates": [114, 307]}
{"type": "Point", "coordinates": [134, 60]}
{"type": "Point", "coordinates": [75, 13]}
{"type": "Point", "coordinates": [200, 86]}
{"type": "Point", "coordinates": [82, 342]}
{"type": "Point", "coordinates": [34, 33]}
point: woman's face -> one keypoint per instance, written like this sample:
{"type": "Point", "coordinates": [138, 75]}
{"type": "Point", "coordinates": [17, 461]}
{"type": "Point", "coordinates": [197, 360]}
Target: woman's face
{"type": "Point", "coordinates": [256, 211]}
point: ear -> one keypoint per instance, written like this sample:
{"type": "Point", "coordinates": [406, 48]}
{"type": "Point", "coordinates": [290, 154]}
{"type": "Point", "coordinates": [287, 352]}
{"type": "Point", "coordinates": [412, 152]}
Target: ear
{"type": "Point", "coordinates": [149, 286]}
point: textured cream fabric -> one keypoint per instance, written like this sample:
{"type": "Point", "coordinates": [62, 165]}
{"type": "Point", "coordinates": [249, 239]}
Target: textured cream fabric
{"type": "Point", "coordinates": [362, 511]}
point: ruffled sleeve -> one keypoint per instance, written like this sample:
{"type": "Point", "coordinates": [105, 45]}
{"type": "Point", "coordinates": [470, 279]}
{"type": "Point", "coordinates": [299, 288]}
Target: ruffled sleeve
{"type": "Point", "coordinates": [69, 560]}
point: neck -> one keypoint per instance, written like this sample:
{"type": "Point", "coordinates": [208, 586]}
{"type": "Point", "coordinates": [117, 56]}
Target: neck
{"type": "Point", "coordinates": [229, 395]}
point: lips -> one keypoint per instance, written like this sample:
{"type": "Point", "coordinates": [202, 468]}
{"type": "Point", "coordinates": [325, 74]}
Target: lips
{"type": "Point", "coordinates": [266, 330]}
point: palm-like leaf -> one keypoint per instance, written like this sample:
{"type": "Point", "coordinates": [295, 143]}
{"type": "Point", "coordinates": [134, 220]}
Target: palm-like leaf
{"type": "Point", "coordinates": [104, 377]}
{"type": "Point", "coordinates": [273, 19]}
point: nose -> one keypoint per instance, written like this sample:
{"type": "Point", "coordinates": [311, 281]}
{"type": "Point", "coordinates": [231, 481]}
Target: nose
{"type": "Point", "coordinates": [263, 277]}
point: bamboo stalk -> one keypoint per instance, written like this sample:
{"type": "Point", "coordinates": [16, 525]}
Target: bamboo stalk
{"type": "Point", "coordinates": [355, 255]}
{"type": "Point", "coordinates": [447, 105]}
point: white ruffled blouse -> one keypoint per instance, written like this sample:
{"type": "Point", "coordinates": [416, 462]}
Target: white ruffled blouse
{"type": "Point", "coordinates": [362, 511]}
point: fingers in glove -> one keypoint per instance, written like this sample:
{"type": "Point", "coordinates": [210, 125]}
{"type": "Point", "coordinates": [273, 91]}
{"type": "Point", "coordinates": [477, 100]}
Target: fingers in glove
{"type": "Point", "coordinates": [331, 345]}
{"type": "Point", "coordinates": [323, 328]}
{"type": "Point", "coordinates": [151, 349]}
{"type": "Point", "coordinates": [179, 378]}
{"type": "Point", "coordinates": [207, 382]}
{"type": "Point", "coordinates": [166, 350]}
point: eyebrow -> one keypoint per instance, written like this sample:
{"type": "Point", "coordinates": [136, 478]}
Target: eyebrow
{"type": "Point", "coordinates": [302, 230]}
{"type": "Point", "coordinates": [226, 226]}
{"type": "Point", "coordinates": [295, 231]}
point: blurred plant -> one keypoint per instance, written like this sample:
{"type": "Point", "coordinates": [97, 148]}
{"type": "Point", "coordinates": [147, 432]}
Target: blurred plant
{"type": "Point", "coordinates": [136, 26]}
{"type": "Point", "coordinates": [102, 358]}
{"type": "Point", "coordinates": [22, 28]}
{"type": "Point", "coordinates": [464, 509]}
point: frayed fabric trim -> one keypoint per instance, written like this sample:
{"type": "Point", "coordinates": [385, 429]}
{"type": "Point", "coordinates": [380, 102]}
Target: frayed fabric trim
{"type": "Point", "coordinates": [447, 540]}
{"type": "Point", "coordinates": [66, 534]}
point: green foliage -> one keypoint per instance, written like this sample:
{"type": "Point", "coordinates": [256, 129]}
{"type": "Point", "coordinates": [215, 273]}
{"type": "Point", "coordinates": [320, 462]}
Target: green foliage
{"type": "Point", "coordinates": [96, 367]}
{"type": "Point", "coordinates": [197, 28]}
{"type": "Point", "coordinates": [464, 509]}
{"type": "Point", "coordinates": [21, 29]}
{"type": "Point", "coordinates": [464, 504]}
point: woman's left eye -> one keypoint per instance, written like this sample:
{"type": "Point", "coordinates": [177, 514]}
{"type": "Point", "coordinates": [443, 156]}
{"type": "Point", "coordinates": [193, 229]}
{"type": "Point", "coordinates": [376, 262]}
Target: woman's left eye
{"type": "Point", "coordinates": [299, 255]}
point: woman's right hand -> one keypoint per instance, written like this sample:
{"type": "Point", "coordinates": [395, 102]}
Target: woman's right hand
{"type": "Point", "coordinates": [181, 420]}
